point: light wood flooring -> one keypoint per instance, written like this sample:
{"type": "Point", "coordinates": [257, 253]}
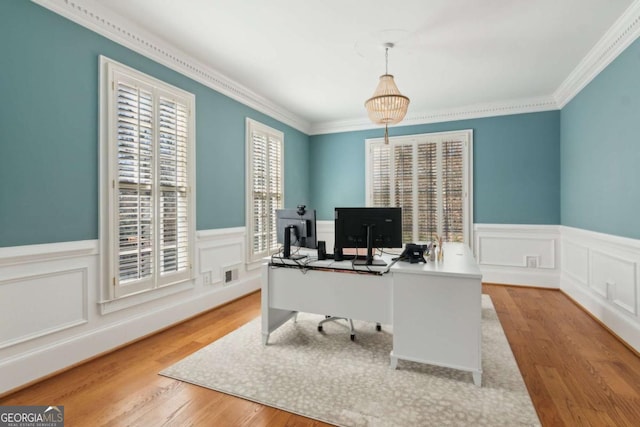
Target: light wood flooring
{"type": "Point", "coordinates": [577, 373]}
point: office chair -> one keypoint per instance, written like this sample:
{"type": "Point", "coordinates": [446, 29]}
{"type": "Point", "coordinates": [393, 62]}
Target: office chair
{"type": "Point", "coordinates": [351, 328]}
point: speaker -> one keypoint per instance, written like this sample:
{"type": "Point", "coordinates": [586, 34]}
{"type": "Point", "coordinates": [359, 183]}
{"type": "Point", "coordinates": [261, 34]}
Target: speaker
{"type": "Point", "coordinates": [337, 254]}
{"type": "Point", "coordinates": [322, 250]}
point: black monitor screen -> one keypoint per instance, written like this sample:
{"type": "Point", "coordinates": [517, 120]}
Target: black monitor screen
{"type": "Point", "coordinates": [352, 226]}
{"type": "Point", "coordinates": [300, 224]}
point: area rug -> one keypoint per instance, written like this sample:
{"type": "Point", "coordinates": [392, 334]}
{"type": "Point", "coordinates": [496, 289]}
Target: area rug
{"type": "Point", "coordinates": [327, 377]}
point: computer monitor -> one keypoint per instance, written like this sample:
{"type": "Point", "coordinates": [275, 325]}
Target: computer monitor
{"type": "Point", "coordinates": [296, 227]}
{"type": "Point", "coordinates": [368, 227]}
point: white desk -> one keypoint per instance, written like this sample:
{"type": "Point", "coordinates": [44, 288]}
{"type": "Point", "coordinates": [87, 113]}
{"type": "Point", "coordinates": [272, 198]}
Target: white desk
{"type": "Point", "coordinates": [435, 308]}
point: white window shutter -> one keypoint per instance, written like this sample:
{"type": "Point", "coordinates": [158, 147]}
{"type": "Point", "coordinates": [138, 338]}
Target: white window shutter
{"type": "Point", "coordinates": [173, 208]}
{"type": "Point", "coordinates": [403, 187]}
{"type": "Point", "coordinates": [134, 183]}
{"type": "Point", "coordinates": [452, 191]}
{"type": "Point", "coordinates": [380, 175]}
{"type": "Point", "coordinates": [428, 176]}
{"type": "Point", "coordinates": [150, 179]}
{"type": "Point", "coordinates": [428, 218]}
{"type": "Point", "coordinates": [265, 194]}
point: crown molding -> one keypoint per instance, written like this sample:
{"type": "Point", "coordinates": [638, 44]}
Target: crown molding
{"type": "Point", "coordinates": [622, 33]}
{"type": "Point", "coordinates": [122, 31]}
{"type": "Point", "coordinates": [477, 111]}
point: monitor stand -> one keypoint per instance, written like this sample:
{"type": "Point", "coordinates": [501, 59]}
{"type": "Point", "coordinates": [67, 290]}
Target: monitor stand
{"type": "Point", "coordinates": [287, 244]}
{"type": "Point", "coordinates": [369, 259]}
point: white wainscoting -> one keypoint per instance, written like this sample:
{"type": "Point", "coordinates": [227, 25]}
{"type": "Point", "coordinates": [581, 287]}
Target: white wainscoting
{"type": "Point", "coordinates": [518, 254]}
{"type": "Point", "coordinates": [506, 253]}
{"type": "Point", "coordinates": [50, 316]}
{"type": "Point", "coordinates": [601, 273]}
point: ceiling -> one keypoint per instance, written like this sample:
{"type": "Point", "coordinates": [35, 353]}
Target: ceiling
{"type": "Point", "coordinates": [321, 60]}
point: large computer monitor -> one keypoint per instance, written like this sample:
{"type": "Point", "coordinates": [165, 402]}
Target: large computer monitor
{"type": "Point", "coordinates": [368, 228]}
{"type": "Point", "coordinates": [296, 227]}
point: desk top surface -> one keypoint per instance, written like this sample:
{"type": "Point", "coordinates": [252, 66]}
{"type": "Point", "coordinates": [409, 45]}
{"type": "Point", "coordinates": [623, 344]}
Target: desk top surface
{"type": "Point", "coordinates": [457, 261]}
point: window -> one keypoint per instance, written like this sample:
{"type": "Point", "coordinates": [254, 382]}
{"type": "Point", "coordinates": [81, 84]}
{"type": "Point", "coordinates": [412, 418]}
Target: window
{"type": "Point", "coordinates": [149, 145]}
{"type": "Point", "coordinates": [429, 177]}
{"type": "Point", "coordinates": [265, 192]}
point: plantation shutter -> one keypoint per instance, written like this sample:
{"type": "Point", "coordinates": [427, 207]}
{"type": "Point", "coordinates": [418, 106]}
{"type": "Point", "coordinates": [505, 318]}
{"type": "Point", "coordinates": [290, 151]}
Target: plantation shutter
{"type": "Point", "coordinates": [425, 176]}
{"type": "Point", "coordinates": [174, 186]}
{"type": "Point", "coordinates": [135, 135]}
{"type": "Point", "coordinates": [265, 170]}
{"type": "Point", "coordinates": [452, 191]}
{"type": "Point", "coordinates": [151, 187]}
{"type": "Point", "coordinates": [428, 217]}
{"type": "Point", "coordinates": [275, 188]}
{"type": "Point", "coordinates": [261, 224]}
{"type": "Point", "coordinates": [403, 187]}
{"type": "Point", "coordinates": [380, 175]}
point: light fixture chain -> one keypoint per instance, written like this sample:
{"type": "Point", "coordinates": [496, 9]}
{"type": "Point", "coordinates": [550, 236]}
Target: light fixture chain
{"type": "Point", "coordinates": [386, 60]}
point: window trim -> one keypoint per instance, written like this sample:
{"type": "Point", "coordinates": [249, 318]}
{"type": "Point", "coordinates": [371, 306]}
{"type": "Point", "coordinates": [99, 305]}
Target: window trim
{"type": "Point", "coordinates": [465, 135]}
{"type": "Point", "coordinates": [109, 300]}
{"type": "Point", "coordinates": [250, 126]}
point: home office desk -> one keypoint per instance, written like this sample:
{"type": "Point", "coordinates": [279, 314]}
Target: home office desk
{"type": "Point", "coordinates": [434, 308]}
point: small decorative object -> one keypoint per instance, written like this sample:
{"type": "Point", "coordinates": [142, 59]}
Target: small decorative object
{"type": "Point", "coordinates": [440, 248]}
{"type": "Point", "coordinates": [432, 252]}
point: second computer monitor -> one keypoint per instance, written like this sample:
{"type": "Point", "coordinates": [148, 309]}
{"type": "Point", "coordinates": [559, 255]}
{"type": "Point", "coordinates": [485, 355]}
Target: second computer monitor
{"type": "Point", "coordinates": [368, 228]}
{"type": "Point", "coordinates": [296, 227]}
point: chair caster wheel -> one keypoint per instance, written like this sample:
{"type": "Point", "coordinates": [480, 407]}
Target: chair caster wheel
{"type": "Point", "coordinates": [353, 337]}
{"type": "Point", "coordinates": [378, 327]}
{"type": "Point", "coordinates": [319, 328]}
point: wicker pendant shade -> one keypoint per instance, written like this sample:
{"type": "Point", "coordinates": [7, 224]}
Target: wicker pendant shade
{"type": "Point", "coordinates": [387, 106]}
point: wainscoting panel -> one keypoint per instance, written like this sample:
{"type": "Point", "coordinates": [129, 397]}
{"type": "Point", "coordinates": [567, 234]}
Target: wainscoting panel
{"type": "Point", "coordinates": [517, 251]}
{"type": "Point", "coordinates": [614, 278]}
{"type": "Point", "coordinates": [575, 261]}
{"type": "Point", "coordinates": [55, 301]}
{"type": "Point", "coordinates": [218, 253]}
{"type": "Point", "coordinates": [518, 254]}
{"type": "Point", "coordinates": [600, 272]}
{"type": "Point", "coordinates": [52, 317]}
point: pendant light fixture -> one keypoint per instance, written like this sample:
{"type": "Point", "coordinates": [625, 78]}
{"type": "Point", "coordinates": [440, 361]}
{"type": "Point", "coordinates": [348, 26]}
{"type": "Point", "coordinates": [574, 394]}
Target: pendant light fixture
{"type": "Point", "coordinates": [387, 105]}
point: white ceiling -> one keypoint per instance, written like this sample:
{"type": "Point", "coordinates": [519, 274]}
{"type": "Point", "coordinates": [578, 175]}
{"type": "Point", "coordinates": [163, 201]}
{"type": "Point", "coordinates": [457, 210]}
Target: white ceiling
{"type": "Point", "coordinates": [321, 60]}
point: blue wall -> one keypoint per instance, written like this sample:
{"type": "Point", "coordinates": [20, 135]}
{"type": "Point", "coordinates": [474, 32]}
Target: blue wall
{"type": "Point", "coordinates": [49, 133]}
{"type": "Point", "coordinates": [600, 151]}
{"type": "Point", "coordinates": [578, 167]}
{"type": "Point", "coordinates": [516, 167]}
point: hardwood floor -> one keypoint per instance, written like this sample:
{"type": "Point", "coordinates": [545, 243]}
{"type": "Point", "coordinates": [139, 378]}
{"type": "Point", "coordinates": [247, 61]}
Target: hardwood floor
{"type": "Point", "coordinates": [577, 373]}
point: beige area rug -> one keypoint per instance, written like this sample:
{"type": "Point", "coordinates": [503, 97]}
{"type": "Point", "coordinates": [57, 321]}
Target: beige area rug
{"type": "Point", "coordinates": [327, 377]}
